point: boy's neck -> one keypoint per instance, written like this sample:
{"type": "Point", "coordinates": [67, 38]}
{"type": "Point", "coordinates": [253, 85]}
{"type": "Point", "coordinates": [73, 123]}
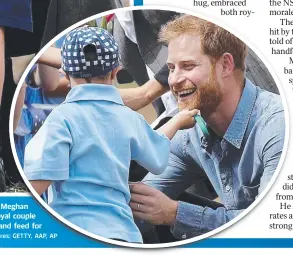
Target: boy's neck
{"type": "Point", "coordinates": [96, 80]}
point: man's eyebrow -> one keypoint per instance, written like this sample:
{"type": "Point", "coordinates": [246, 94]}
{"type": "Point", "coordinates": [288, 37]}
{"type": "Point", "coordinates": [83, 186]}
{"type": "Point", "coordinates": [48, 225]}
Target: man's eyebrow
{"type": "Point", "coordinates": [190, 61]}
{"type": "Point", "coordinates": [197, 62]}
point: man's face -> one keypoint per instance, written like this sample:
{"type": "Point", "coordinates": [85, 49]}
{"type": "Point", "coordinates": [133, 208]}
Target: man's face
{"type": "Point", "coordinates": [192, 76]}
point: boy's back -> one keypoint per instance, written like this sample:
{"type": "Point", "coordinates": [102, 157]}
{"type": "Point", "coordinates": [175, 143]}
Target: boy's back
{"type": "Point", "coordinates": [89, 142]}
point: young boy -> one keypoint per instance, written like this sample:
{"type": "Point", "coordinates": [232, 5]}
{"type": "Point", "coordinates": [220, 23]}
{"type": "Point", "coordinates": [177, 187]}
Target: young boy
{"type": "Point", "coordinates": [86, 144]}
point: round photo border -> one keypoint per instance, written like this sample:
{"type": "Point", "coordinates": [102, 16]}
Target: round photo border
{"type": "Point", "coordinates": [196, 13]}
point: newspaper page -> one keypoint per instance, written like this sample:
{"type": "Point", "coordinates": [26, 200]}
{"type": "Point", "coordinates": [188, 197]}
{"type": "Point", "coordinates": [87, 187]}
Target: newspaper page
{"type": "Point", "coordinates": [130, 126]}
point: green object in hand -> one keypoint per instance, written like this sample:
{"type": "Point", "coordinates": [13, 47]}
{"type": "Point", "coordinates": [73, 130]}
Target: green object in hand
{"type": "Point", "coordinates": [201, 124]}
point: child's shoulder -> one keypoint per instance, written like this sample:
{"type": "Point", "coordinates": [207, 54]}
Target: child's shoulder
{"type": "Point", "coordinates": [59, 113]}
{"type": "Point", "coordinates": [133, 114]}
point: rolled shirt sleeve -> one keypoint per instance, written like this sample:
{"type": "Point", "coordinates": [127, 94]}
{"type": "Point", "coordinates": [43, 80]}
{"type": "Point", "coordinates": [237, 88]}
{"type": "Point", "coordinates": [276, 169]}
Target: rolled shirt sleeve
{"type": "Point", "coordinates": [193, 220]}
{"type": "Point", "coordinates": [47, 154]}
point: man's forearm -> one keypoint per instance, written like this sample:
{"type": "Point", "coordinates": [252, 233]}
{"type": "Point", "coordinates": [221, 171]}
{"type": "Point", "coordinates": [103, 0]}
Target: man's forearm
{"type": "Point", "coordinates": [47, 77]}
{"type": "Point", "coordinates": [136, 98]}
{"type": "Point", "coordinates": [19, 64]}
{"type": "Point", "coordinates": [62, 89]}
{"type": "Point", "coordinates": [51, 57]}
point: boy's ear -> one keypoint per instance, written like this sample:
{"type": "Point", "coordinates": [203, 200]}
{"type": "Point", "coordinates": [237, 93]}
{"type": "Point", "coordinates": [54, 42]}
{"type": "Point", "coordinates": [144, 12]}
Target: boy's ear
{"type": "Point", "coordinates": [114, 72]}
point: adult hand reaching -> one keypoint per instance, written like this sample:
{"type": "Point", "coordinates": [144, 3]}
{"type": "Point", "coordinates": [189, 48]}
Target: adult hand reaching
{"type": "Point", "coordinates": [151, 205]}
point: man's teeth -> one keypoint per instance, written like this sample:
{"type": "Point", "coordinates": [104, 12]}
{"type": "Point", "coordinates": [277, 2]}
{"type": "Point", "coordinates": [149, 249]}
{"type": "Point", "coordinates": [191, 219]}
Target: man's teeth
{"type": "Point", "coordinates": [185, 92]}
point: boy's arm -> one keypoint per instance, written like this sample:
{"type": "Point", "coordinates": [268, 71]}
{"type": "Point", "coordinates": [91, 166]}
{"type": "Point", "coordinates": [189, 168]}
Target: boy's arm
{"type": "Point", "coordinates": [151, 149]}
{"type": "Point", "coordinates": [2, 61]}
{"type": "Point", "coordinates": [40, 186]}
{"type": "Point", "coordinates": [182, 120]}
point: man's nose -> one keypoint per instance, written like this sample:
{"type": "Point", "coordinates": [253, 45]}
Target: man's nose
{"type": "Point", "coordinates": [176, 78]}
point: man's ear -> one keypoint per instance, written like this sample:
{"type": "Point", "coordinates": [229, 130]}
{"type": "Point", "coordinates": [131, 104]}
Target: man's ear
{"type": "Point", "coordinates": [114, 72]}
{"type": "Point", "coordinates": [227, 63]}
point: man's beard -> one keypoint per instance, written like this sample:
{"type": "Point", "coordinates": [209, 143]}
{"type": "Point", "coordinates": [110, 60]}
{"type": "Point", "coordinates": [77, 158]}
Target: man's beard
{"type": "Point", "coordinates": [208, 96]}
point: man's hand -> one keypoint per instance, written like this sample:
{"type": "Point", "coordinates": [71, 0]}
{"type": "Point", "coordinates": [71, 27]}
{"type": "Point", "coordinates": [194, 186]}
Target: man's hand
{"type": "Point", "coordinates": [150, 204]}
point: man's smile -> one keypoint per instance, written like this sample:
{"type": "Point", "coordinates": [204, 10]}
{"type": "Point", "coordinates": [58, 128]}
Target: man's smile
{"type": "Point", "coordinates": [184, 94]}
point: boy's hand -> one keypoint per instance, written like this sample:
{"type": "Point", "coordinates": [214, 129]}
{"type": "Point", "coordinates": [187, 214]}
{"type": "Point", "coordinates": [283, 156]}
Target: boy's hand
{"type": "Point", "coordinates": [185, 118]}
{"type": "Point", "coordinates": [182, 120]}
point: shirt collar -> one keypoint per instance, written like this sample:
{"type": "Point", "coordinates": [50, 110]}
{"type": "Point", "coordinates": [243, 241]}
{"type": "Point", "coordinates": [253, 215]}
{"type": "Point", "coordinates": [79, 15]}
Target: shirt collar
{"type": "Point", "coordinates": [96, 92]}
{"type": "Point", "coordinates": [236, 130]}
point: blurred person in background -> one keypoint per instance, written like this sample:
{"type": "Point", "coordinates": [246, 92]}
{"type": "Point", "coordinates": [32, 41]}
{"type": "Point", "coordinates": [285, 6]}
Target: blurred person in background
{"type": "Point", "coordinates": [75, 10]}
{"type": "Point", "coordinates": [22, 24]}
{"type": "Point", "coordinates": [43, 90]}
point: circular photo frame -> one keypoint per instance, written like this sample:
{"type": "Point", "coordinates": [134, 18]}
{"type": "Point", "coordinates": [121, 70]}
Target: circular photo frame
{"type": "Point", "coordinates": [215, 162]}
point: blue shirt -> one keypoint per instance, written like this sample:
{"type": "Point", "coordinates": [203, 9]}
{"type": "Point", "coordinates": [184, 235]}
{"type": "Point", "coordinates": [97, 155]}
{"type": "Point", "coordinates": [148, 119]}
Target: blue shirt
{"type": "Point", "coordinates": [239, 165]}
{"type": "Point", "coordinates": [32, 118]}
{"type": "Point", "coordinates": [85, 147]}
{"type": "Point", "coordinates": [16, 14]}
{"type": "Point", "coordinates": [33, 114]}
{"type": "Point", "coordinates": [28, 124]}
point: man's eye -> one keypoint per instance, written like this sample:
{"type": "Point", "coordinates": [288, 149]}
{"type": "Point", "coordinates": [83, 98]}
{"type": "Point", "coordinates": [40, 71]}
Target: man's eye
{"type": "Point", "coordinates": [171, 69]}
{"type": "Point", "coordinates": [189, 67]}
